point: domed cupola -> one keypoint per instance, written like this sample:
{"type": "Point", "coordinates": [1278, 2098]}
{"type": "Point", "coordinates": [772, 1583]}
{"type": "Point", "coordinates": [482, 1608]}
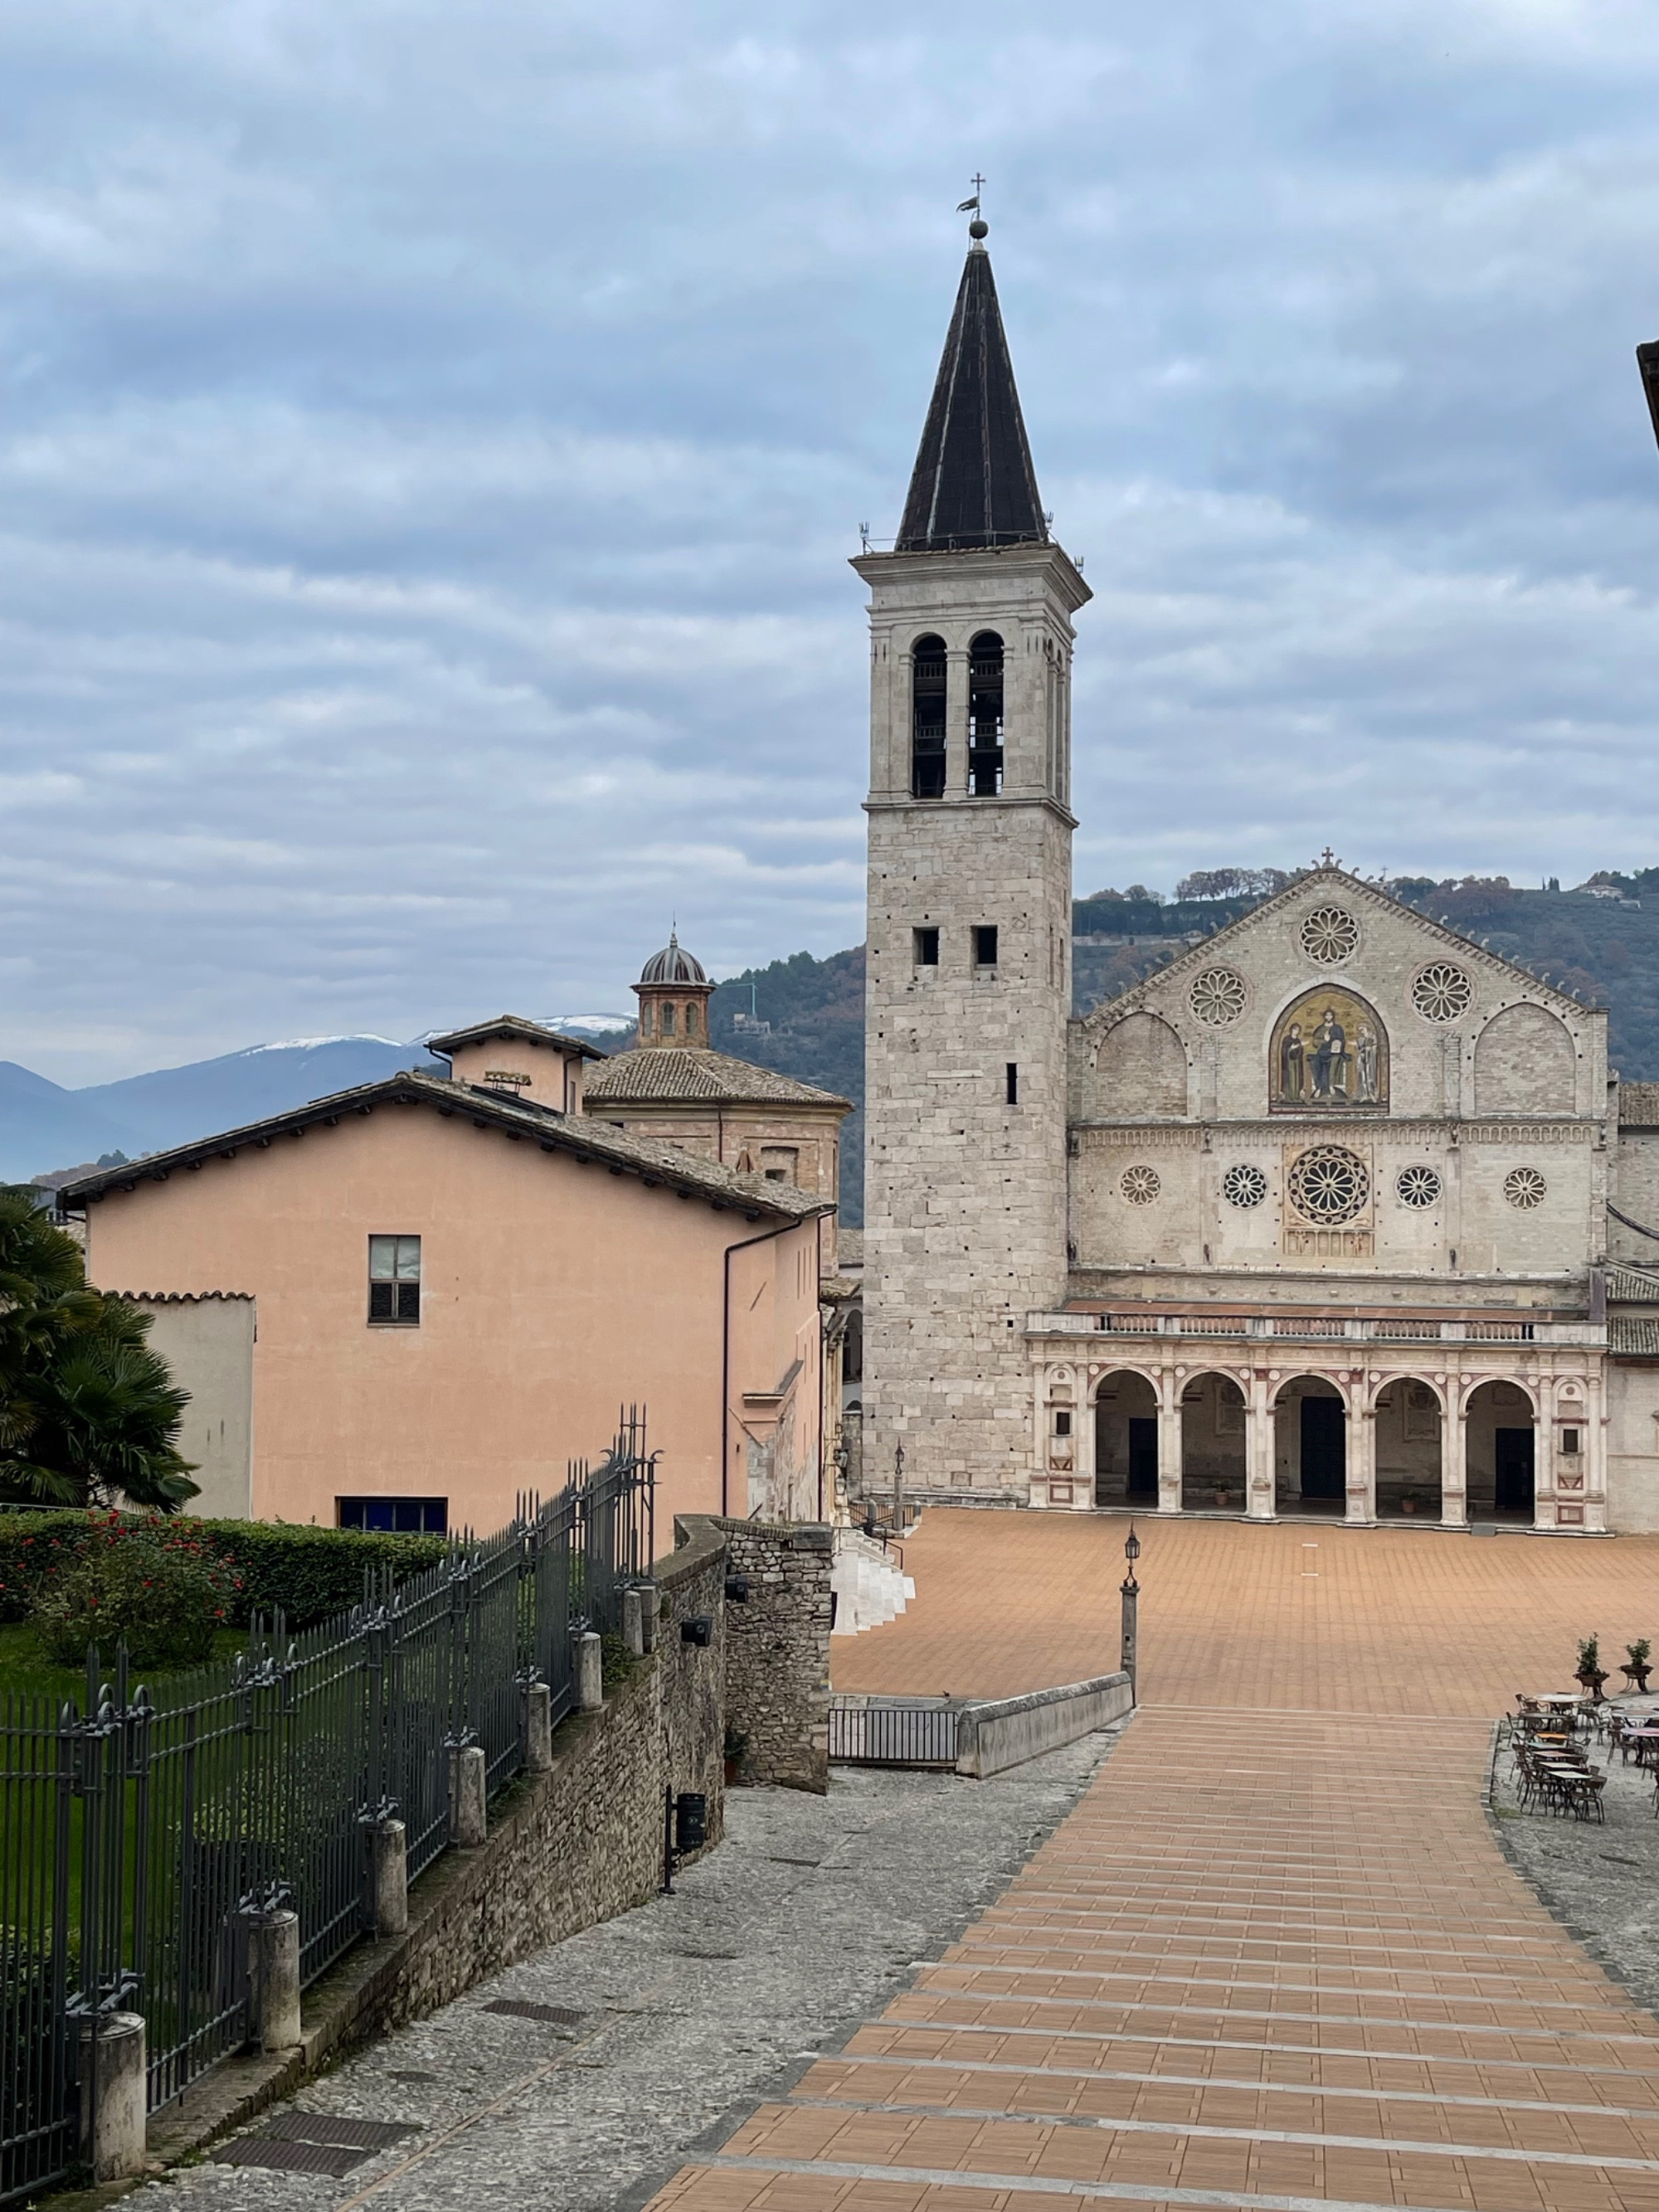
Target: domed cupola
{"type": "Point", "coordinates": [673, 992]}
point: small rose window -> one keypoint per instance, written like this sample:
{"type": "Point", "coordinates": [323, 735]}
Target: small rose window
{"type": "Point", "coordinates": [1217, 997]}
{"type": "Point", "coordinates": [1441, 992]}
{"type": "Point", "coordinates": [1418, 1186]}
{"type": "Point", "coordinates": [1139, 1184]}
{"type": "Point", "coordinates": [1330, 935]}
{"type": "Point", "coordinates": [1244, 1185]}
{"type": "Point", "coordinates": [1525, 1187]}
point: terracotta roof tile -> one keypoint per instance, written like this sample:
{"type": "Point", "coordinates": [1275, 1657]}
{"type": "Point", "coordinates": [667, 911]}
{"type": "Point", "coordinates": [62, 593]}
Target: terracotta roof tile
{"type": "Point", "coordinates": [687, 1072]}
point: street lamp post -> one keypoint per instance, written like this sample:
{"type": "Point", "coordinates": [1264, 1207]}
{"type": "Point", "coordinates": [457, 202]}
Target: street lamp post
{"type": "Point", "coordinates": [1129, 1590]}
{"type": "Point", "coordinates": [898, 1490]}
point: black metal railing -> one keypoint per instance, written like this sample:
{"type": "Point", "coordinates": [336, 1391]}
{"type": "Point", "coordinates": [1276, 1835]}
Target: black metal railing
{"type": "Point", "coordinates": [872, 1731]}
{"type": "Point", "coordinates": [140, 1833]}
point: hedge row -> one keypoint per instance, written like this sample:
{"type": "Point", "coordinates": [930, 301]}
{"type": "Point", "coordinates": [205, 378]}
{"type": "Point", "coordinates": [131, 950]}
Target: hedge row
{"type": "Point", "coordinates": [308, 1572]}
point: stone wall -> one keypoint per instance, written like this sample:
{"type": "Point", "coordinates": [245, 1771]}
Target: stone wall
{"type": "Point", "coordinates": [777, 1652]}
{"type": "Point", "coordinates": [584, 1841]}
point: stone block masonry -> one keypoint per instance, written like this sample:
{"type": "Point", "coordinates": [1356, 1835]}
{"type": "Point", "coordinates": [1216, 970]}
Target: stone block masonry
{"type": "Point", "coordinates": [777, 1652]}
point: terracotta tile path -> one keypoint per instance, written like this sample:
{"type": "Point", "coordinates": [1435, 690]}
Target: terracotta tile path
{"type": "Point", "coordinates": [1273, 1959]}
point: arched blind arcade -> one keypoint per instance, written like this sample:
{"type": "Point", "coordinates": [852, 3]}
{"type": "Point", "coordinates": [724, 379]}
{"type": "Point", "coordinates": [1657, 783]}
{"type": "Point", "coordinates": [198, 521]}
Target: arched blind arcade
{"type": "Point", "coordinates": [985, 715]}
{"type": "Point", "coordinates": [927, 718]}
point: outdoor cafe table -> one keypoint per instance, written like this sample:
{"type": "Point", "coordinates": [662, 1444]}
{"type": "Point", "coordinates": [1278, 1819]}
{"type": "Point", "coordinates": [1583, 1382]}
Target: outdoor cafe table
{"type": "Point", "coordinates": [1646, 1741]}
{"type": "Point", "coordinates": [1562, 1697]}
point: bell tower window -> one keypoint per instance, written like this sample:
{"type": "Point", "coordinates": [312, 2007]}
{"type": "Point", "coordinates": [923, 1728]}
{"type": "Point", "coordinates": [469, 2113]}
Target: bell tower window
{"type": "Point", "coordinates": [927, 718]}
{"type": "Point", "coordinates": [666, 1019]}
{"type": "Point", "coordinates": [985, 715]}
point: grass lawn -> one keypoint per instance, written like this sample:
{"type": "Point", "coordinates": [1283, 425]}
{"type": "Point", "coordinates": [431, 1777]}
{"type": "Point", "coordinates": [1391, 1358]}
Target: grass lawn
{"type": "Point", "coordinates": [24, 1667]}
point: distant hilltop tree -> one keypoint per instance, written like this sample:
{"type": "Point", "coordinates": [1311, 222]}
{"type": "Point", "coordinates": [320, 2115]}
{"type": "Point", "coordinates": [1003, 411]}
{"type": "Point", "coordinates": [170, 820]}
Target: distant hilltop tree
{"type": "Point", "coordinates": [1231, 882]}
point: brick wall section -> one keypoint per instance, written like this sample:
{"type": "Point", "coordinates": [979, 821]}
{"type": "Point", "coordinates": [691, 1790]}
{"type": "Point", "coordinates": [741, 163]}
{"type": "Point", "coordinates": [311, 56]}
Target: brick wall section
{"type": "Point", "coordinates": [777, 1652]}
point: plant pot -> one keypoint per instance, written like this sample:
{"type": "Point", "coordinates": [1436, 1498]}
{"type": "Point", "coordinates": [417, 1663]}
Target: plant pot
{"type": "Point", "coordinates": [1638, 1678]}
{"type": "Point", "coordinates": [1222, 1496]}
{"type": "Point", "coordinates": [1408, 1505]}
{"type": "Point", "coordinates": [1592, 1682]}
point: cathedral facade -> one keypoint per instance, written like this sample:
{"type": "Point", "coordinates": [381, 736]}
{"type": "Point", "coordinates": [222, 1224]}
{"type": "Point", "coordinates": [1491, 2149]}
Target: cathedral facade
{"type": "Point", "coordinates": [1336, 1214]}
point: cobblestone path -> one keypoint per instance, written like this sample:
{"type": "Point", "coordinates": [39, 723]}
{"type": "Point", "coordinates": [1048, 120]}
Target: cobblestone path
{"type": "Point", "coordinates": [1273, 1960]}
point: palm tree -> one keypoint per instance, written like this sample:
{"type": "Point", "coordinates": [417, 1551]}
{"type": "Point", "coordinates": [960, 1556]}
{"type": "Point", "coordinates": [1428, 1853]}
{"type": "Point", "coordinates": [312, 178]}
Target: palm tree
{"type": "Point", "coordinates": [88, 1413]}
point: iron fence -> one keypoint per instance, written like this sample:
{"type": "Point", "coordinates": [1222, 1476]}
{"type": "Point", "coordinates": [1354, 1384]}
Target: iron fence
{"type": "Point", "coordinates": [140, 1834]}
{"type": "Point", "coordinates": [870, 1731]}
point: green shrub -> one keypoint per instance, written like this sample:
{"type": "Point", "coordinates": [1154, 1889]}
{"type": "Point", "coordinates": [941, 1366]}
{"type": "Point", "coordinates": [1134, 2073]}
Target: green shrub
{"type": "Point", "coordinates": [310, 1573]}
{"type": "Point", "coordinates": [307, 1573]}
{"type": "Point", "coordinates": [152, 1584]}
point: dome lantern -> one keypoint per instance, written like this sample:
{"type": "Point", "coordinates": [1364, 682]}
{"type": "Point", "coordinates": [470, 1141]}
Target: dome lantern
{"type": "Point", "coordinates": [673, 992]}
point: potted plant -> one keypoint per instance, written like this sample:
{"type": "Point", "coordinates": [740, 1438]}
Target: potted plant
{"type": "Point", "coordinates": [1222, 1494]}
{"type": "Point", "coordinates": [1590, 1670]}
{"type": "Point", "coordinates": [1410, 1500]}
{"type": "Point", "coordinates": [1636, 1668]}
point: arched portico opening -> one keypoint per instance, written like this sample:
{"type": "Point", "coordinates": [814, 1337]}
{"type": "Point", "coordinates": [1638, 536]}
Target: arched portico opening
{"type": "Point", "coordinates": [1410, 1450]}
{"type": "Point", "coordinates": [1310, 1447]}
{"type": "Point", "coordinates": [1212, 1468]}
{"type": "Point", "coordinates": [1500, 1452]}
{"type": "Point", "coordinates": [1126, 1440]}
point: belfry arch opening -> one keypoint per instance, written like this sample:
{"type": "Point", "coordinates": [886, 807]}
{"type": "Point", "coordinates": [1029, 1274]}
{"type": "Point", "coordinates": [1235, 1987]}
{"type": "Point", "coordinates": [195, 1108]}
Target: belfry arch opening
{"type": "Point", "coordinates": [1410, 1444]}
{"type": "Point", "coordinates": [985, 715]}
{"type": "Point", "coordinates": [1310, 1447]}
{"type": "Point", "coordinates": [1212, 1467]}
{"type": "Point", "coordinates": [1126, 1440]}
{"type": "Point", "coordinates": [1501, 1448]}
{"type": "Point", "coordinates": [928, 678]}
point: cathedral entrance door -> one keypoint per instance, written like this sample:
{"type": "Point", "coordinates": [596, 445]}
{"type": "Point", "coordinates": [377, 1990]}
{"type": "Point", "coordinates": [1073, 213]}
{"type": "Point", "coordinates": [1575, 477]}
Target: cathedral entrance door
{"type": "Point", "coordinates": [1512, 1453]}
{"type": "Point", "coordinates": [1143, 1457]}
{"type": "Point", "coordinates": [1324, 1453]}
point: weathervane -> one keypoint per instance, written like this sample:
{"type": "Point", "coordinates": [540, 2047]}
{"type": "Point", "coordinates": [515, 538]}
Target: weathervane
{"type": "Point", "coordinates": [978, 228]}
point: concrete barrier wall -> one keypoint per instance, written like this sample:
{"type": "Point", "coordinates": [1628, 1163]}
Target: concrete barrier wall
{"type": "Point", "coordinates": [1005, 1733]}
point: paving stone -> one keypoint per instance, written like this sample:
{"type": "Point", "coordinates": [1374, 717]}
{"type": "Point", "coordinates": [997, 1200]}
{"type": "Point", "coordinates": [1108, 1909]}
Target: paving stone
{"type": "Point", "coordinates": [807, 1917]}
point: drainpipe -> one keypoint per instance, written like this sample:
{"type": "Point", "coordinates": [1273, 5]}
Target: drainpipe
{"type": "Point", "coordinates": [747, 1244]}
{"type": "Point", "coordinates": [818, 1289]}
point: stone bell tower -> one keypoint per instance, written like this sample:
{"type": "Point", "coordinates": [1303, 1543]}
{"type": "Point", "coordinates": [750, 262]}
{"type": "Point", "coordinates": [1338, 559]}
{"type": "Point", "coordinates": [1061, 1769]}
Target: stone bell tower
{"type": "Point", "coordinates": [970, 931]}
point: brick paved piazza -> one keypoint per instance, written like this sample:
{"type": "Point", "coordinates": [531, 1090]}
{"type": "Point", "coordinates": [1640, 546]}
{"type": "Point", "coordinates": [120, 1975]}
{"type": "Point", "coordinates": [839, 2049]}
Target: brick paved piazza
{"type": "Point", "coordinates": [1274, 1958]}
{"type": "Point", "coordinates": [1296, 1615]}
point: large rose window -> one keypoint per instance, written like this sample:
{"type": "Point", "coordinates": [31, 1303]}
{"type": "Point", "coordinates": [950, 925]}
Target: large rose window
{"type": "Point", "coordinates": [1330, 1184]}
{"type": "Point", "coordinates": [1329, 935]}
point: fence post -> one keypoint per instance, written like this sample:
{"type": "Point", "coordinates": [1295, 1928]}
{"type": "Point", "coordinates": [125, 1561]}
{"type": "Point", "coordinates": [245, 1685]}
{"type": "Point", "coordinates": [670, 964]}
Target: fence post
{"type": "Point", "coordinates": [466, 1794]}
{"type": "Point", "coordinates": [538, 1728]}
{"type": "Point", "coordinates": [633, 1612]}
{"type": "Point", "coordinates": [114, 2070]}
{"type": "Point", "coordinates": [588, 1670]}
{"type": "Point", "coordinates": [388, 1876]}
{"type": "Point", "coordinates": [275, 1961]}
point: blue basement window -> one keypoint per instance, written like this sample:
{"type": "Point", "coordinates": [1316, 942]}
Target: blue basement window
{"type": "Point", "coordinates": [400, 1516]}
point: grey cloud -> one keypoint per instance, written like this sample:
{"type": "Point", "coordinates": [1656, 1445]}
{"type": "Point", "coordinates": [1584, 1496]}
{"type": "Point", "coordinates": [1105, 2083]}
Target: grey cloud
{"type": "Point", "coordinates": [436, 436]}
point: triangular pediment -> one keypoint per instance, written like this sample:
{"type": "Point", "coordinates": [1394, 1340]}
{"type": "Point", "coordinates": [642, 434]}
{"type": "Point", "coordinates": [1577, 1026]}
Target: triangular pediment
{"type": "Point", "coordinates": [1236, 942]}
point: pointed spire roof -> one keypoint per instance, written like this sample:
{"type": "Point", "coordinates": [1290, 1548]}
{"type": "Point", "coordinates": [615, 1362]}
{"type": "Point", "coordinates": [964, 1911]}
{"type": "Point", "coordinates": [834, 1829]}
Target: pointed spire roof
{"type": "Point", "coordinates": [972, 484]}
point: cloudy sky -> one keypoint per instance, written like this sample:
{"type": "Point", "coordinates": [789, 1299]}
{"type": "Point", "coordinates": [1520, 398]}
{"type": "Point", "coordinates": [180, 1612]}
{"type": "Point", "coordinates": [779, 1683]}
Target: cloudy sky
{"type": "Point", "coordinates": [435, 436]}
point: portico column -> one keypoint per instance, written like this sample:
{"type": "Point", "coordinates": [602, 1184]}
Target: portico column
{"type": "Point", "coordinates": [1083, 1440]}
{"type": "Point", "coordinates": [1259, 1450]}
{"type": "Point", "coordinates": [1540, 1390]}
{"type": "Point", "coordinates": [1596, 1449]}
{"type": "Point", "coordinates": [1360, 1484]}
{"type": "Point", "coordinates": [1169, 1444]}
{"type": "Point", "coordinates": [1454, 1456]}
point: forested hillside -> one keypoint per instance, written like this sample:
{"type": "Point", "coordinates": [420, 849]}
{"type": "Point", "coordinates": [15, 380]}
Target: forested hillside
{"type": "Point", "coordinates": [1605, 948]}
